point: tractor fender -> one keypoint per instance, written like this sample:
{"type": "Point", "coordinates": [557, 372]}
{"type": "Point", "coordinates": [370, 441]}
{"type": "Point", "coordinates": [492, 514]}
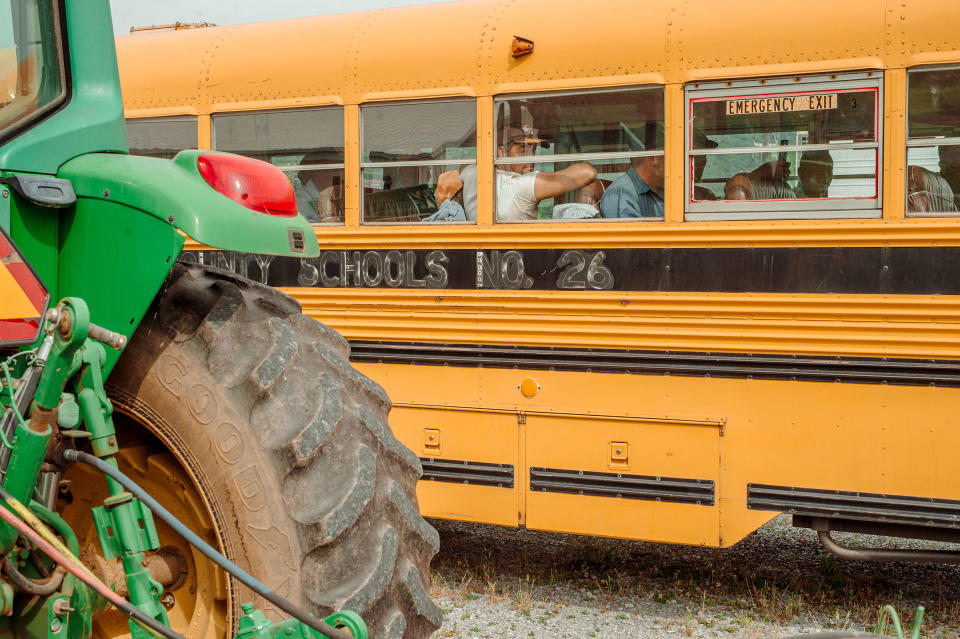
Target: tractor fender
{"type": "Point", "coordinates": [175, 192]}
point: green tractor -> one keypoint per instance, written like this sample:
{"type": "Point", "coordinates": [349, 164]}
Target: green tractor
{"type": "Point", "coordinates": [182, 452]}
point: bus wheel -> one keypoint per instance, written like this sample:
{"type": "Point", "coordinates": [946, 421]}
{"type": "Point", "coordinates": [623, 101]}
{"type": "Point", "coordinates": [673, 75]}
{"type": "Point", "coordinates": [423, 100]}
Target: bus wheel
{"type": "Point", "coordinates": [287, 449]}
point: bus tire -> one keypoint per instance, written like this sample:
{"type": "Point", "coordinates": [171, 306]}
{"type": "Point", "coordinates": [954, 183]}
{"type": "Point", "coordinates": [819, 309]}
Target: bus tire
{"type": "Point", "coordinates": [289, 448]}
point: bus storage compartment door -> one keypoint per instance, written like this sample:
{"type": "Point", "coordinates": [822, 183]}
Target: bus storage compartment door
{"type": "Point", "coordinates": [634, 477]}
{"type": "Point", "coordinates": [468, 472]}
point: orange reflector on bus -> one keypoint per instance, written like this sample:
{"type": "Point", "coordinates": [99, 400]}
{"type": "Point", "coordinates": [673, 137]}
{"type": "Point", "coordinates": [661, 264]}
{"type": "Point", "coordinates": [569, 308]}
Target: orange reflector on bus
{"type": "Point", "coordinates": [23, 297]}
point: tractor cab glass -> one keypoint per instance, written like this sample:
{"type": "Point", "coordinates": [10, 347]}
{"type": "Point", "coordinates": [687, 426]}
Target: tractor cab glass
{"type": "Point", "coordinates": [32, 78]}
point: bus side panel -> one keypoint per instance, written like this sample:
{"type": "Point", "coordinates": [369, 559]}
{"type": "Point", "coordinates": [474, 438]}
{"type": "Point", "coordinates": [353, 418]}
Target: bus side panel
{"type": "Point", "coordinates": [634, 478]}
{"type": "Point", "coordinates": [681, 459]}
{"type": "Point", "coordinates": [470, 456]}
{"type": "Point", "coordinates": [469, 459]}
{"type": "Point", "coordinates": [884, 445]}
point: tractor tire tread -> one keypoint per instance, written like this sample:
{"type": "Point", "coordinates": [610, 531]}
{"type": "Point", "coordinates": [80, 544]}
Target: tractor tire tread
{"type": "Point", "coordinates": [347, 483]}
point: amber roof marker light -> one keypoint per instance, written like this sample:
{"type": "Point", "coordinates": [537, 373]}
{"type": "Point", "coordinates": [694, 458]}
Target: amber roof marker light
{"type": "Point", "coordinates": [521, 47]}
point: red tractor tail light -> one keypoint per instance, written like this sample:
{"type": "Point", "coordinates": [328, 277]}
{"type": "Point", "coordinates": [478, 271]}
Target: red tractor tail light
{"type": "Point", "coordinates": [257, 185]}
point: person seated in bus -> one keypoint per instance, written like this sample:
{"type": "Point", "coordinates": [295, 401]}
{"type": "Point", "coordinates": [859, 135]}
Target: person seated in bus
{"type": "Point", "coordinates": [468, 175]}
{"type": "Point", "coordinates": [766, 182]}
{"type": "Point", "coordinates": [319, 193]}
{"type": "Point", "coordinates": [510, 177]}
{"type": "Point", "coordinates": [448, 208]}
{"type": "Point", "coordinates": [520, 188]}
{"type": "Point", "coordinates": [816, 173]}
{"type": "Point", "coordinates": [950, 169]}
{"type": "Point", "coordinates": [639, 191]}
{"type": "Point", "coordinates": [585, 205]}
{"type": "Point", "coordinates": [701, 141]}
{"type": "Point", "coordinates": [928, 192]}
{"type": "Point", "coordinates": [592, 193]}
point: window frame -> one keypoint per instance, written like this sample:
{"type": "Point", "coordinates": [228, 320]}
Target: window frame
{"type": "Point", "coordinates": [725, 210]}
{"type": "Point", "coordinates": [923, 142]}
{"type": "Point", "coordinates": [167, 118]}
{"type": "Point", "coordinates": [369, 165]}
{"type": "Point", "coordinates": [342, 166]}
{"type": "Point", "coordinates": [255, 112]}
{"type": "Point", "coordinates": [575, 157]}
{"type": "Point", "coordinates": [30, 119]}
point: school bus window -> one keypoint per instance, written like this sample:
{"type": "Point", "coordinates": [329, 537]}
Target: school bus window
{"type": "Point", "coordinates": [161, 137]}
{"type": "Point", "coordinates": [774, 151]}
{"type": "Point", "coordinates": [933, 142]}
{"type": "Point", "coordinates": [306, 144]}
{"type": "Point", "coordinates": [580, 156]}
{"type": "Point", "coordinates": [414, 161]}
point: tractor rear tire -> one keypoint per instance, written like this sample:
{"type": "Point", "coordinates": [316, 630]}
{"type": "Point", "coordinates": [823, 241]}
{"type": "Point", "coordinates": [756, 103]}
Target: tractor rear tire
{"type": "Point", "coordinates": [288, 447]}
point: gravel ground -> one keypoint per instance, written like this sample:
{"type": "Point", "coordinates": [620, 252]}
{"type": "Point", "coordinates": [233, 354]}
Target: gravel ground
{"type": "Point", "coordinates": [503, 582]}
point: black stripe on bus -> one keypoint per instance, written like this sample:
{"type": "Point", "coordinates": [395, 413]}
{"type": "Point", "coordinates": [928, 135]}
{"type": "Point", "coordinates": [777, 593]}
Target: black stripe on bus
{"type": "Point", "coordinates": [876, 270]}
{"type": "Point", "coordinates": [467, 472]}
{"type": "Point", "coordinates": [842, 504]}
{"type": "Point", "coordinates": [700, 492]}
{"type": "Point", "coordinates": [860, 370]}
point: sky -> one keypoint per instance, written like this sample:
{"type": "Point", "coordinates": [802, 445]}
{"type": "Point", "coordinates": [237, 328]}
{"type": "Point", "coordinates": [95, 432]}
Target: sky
{"type": "Point", "coordinates": [128, 13]}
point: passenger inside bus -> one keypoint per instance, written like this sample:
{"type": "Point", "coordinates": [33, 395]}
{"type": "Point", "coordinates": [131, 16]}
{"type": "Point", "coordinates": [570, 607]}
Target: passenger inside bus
{"type": "Point", "coordinates": [585, 204]}
{"type": "Point", "coordinates": [468, 175]}
{"type": "Point", "coordinates": [639, 191]}
{"type": "Point", "coordinates": [449, 185]}
{"type": "Point", "coordinates": [950, 170]}
{"type": "Point", "coordinates": [928, 192]}
{"type": "Point", "coordinates": [766, 182]}
{"type": "Point", "coordinates": [816, 173]}
{"type": "Point", "coordinates": [319, 192]}
{"type": "Point", "coordinates": [700, 164]}
{"type": "Point", "coordinates": [520, 188]}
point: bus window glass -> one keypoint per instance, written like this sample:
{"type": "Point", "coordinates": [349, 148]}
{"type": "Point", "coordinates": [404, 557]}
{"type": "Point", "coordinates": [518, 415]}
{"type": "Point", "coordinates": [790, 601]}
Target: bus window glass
{"type": "Point", "coordinates": [580, 156]}
{"type": "Point", "coordinates": [161, 137]}
{"type": "Point", "coordinates": [418, 160]}
{"type": "Point", "coordinates": [807, 149]}
{"type": "Point", "coordinates": [306, 144]}
{"type": "Point", "coordinates": [933, 142]}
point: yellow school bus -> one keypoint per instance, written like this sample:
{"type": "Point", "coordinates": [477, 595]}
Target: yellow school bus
{"type": "Point", "coordinates": [655, 270]}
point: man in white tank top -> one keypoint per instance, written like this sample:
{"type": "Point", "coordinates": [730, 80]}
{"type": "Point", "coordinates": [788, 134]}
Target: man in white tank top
{"type": "Point", "coordinates": [519, 187]}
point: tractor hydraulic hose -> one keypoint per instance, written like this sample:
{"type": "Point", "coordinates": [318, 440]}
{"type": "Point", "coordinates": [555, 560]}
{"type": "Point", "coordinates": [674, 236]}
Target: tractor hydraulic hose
{"type": "Point", "coordinates": [51, 583]}
{"type": "Point", "coordinates": [214, 556]}
{"type": "Point", "coordinates": [56, 522]}
{"type": "Point", "coordinates": [31, 586]}
{"type": "Point", "coordinates": [59, 553]}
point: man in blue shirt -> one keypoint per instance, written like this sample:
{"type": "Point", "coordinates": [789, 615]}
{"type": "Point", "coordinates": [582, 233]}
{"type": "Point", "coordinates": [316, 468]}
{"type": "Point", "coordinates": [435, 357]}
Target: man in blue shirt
{"type": "Point", "coordinates": [639, 191]}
